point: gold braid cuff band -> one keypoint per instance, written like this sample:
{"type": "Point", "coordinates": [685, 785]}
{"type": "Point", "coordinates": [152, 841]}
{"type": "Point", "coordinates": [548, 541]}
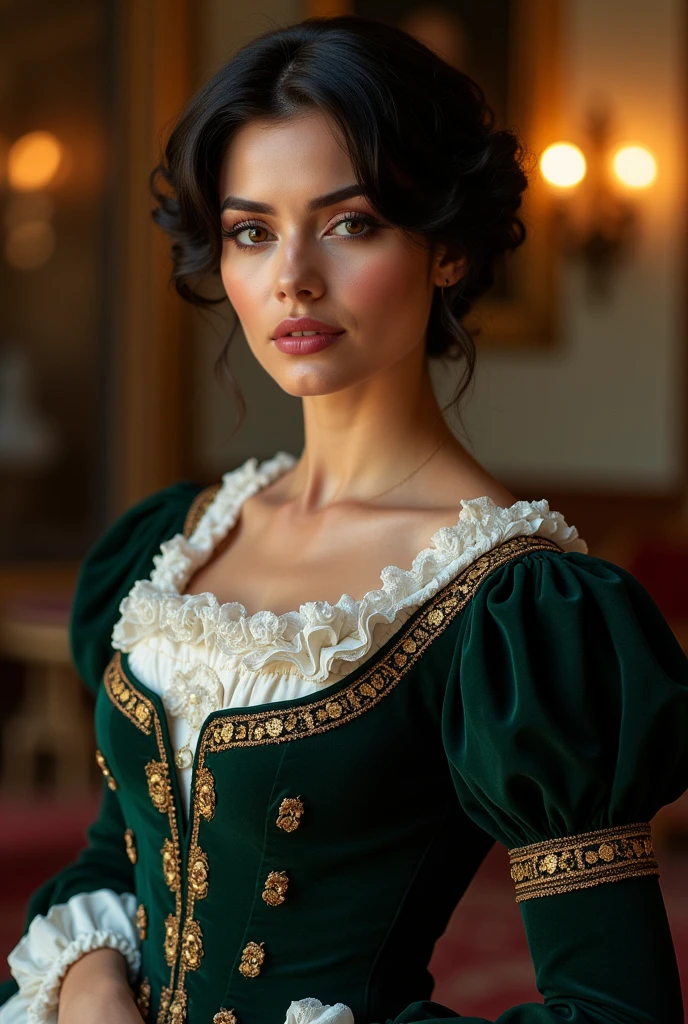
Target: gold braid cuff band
{"type": "Point", "coordinates": [578, 862]}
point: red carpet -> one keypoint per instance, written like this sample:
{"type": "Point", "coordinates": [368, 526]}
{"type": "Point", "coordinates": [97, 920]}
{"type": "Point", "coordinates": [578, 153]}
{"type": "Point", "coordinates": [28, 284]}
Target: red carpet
{"type": "Point", "coordinates": [481, 964]}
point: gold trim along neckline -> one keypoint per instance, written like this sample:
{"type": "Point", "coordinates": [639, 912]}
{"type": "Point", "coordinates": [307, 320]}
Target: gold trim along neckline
{"type": "Point", "coordinates": [251, 729]}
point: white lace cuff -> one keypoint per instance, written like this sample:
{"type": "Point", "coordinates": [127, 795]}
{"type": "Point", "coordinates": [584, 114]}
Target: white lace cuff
{"type": "Point", "coordinates": [40, 959]}
{"type": "Point", "coordinates": [312, 1011]}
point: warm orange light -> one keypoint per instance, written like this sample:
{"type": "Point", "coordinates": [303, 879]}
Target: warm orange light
{"type": "Point", "coordinates": [563, 164]}
{"type": "Point", "coordinates": [33, 161]}
{"type": "Point", "coordinates": [635, 166]}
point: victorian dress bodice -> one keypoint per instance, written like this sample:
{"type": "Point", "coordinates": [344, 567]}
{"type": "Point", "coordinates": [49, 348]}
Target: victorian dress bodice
{"type": "Point", "coordinates": [293, 805]}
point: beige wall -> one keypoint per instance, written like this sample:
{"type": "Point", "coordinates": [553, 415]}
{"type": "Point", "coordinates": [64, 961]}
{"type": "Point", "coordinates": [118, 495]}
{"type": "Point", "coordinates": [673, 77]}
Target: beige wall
{"type": "Point", "coordinates": [603, 407]}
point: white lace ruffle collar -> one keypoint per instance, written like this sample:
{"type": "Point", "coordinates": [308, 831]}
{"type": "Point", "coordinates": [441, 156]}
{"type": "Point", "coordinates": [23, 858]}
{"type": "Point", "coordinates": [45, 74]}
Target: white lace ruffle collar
{"type": "Point", "coordinates": [310, 639]}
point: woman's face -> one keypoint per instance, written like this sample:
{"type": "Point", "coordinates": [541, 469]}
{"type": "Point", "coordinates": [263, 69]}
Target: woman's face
{"type": "Point", "coordinates": [295, 253]}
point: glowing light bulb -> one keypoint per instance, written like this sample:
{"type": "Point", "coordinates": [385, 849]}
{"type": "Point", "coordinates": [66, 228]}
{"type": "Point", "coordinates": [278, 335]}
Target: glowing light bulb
{"type": "Point", "coordinates": [33, 161]}
{"type": "Point", "coordinates": [563, 164]}
{"type": "Point", "coordinates": [635, 166]}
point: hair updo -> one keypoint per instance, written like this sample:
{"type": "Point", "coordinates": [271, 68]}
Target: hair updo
{"type": "Point", "coordinates": [420, 135]}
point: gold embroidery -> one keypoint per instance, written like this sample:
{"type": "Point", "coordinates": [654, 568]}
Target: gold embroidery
{"type": "Point", "coordinates": [198, 508]}
{"type": "Point", "coordinates": [225, 1017]}
{"type": "Point", "coordinates": [171, 936]}
{"type": "Point", "coordinates": [165, 997]}
{"type": "Point", "coordinates": [141, 921]}
{"type": "Point", "coordinates": [143, 998]}
{"type": "Point", "coordinates": [252, 959]}
{"type": "Point", "coordinates": [290, 813]}
{"type": "Point", "coordinates": [177, 1012]}
{"type": "Point", "coordinates": [159, 788]}
{"type": "Point", "coordinates": [276, 885]}
{"type": "Point", "coordinates": [198, 872]}
{"type": "Point", "coordinates": [192, 945]}
{"type": "Point", "coordinates": [130, 845]}
{"type": "Point", "coordinates": [261, 727]}
{"type": "Point", "coordinates": [580, 861]}
{"type": "Point", "coordinates": [102, 764]}
{"type": "Point", "coordinates": [170, 865]}
{"type": "Point", "coordinates": [205, 792]}
{"type": "Point", "coordinates": [127, 698]}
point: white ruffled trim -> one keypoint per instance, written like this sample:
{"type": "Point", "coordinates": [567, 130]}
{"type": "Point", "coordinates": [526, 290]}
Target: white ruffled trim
{"type": "Point", "coordinates": [312, 1011]}
{"type": "Point", "coordinates": [53, 942]}
{"type": "Point", "coordinates": [319, 632]}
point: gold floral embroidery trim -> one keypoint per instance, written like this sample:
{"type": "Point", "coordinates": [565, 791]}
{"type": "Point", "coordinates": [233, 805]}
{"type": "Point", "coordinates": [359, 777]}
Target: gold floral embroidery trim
{"type": "Point", "coordinates": [142, 921]}
{"type": "Point", "coordinates": [198, 872]}
{"type": "Point", "coordinates": [577, 862]}
{"type": "Point", "coordinates": [143, 998]}
{"type": "Point", "coordinates": [130, 845]}
{"type": "Point", "coordinates": [160, 791]}
{"type": "Point", "coordinates": [103, 765]}
{"type": "Point", "coordinates": [252, 730]}
{"type": "Point", "coordinates": [170, 865]}
{"type": "Point", "coordinates": [127, 698]}
{"type": "Point", "coordinates": [198, 508]}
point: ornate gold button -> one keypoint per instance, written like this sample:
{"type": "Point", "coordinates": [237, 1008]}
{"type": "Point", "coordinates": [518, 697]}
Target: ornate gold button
{"type": "Point", "coordinates": [290, 813]}
{"type": "Point", "coordinates": [143, 998]}
{"type": "Point", "coordinates": [102, 764]}
{"type": "Point", "coordinates": [252, 959]}
{"type": "Point", "coordinates": [159, 785]}
{"type": "Point", "coordinates": [171, 931]}
{"type": "Point", "coordinates": [275, 888]}
{"type": "Point", "coordinates": [170, 865]}
{"type": "Point", "coordinates": [130, 845]}
{"type": "Point", "coordinates": [192, 945]}
{"type": "Point", "coordinates": [225, 1017]}
{"type": "Point", "coordinates": [141, 921]}
{"type": "Point", "coordinates": [205, 793]}
{"type": "Point", "coordinates": [198, 872]}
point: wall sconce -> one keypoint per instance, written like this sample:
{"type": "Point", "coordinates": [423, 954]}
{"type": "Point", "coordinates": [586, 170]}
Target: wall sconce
{"type": "Point", "coordinates": [594, 216]}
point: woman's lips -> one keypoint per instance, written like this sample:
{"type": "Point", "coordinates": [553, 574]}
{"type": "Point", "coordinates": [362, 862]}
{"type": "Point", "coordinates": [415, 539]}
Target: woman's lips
{"type": "Point", "coordinates": [304, 346]}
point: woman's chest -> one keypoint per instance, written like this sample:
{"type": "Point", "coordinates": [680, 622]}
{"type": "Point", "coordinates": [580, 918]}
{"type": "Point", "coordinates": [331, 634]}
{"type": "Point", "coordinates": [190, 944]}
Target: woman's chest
{"type": "Point", "coordinates": [272, 560]}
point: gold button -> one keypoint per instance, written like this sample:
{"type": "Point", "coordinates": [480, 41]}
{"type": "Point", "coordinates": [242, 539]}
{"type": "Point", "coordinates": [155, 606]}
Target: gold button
{"type": "Point", "coordinates": [130, 844]}
{"type": "Point", "coordinates": [225, 1017]}
{"type": "Point", "coordinates": [276, 885]}
{"type": "Point", "coordinates": [290, 813]}
{"type": "Point", "coordinates": [192, 945]}
{"type": "Point", "coordinates": [141, 921]}
{"type": "Point", "coordinates": [102, 764]}
{"type": "Point", "coordinates": [159, 785]}
{"type": "Point", "coordinates": [252, 959]}
{"type": "Point", "coordinates": [198, 872]}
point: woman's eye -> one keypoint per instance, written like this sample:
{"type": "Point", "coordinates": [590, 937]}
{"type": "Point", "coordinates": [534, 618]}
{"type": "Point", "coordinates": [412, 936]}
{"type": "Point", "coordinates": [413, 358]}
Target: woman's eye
{"type": "Point", "coordinates": [354, 225]}
{"type": "Point", "coordinates": [251, 231]}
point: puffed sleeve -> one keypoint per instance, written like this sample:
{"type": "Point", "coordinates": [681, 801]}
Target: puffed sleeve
{"type": "Point", "coordinates": [91, 902]}
{"type": "Point", "coordinates": [565, 723]}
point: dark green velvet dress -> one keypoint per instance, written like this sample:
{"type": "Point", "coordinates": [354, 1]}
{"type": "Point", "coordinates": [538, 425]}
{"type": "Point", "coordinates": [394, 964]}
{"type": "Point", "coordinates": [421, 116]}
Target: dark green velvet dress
{"type": "Point", "coordinates": [539, 699]}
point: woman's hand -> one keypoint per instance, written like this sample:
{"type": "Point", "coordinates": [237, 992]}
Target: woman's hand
{"type": "Point", "coordinates": [95, 988]}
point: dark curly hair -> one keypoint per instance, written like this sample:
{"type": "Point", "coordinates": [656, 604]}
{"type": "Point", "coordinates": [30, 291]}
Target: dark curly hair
{"type": "Point", "coordinates": [420, 135]}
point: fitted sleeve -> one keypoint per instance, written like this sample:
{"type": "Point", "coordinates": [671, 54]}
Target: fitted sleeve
{"type": "Point", "coordinates": [91, 902]}
{"type": "Point", "coordinates": [565, 724]}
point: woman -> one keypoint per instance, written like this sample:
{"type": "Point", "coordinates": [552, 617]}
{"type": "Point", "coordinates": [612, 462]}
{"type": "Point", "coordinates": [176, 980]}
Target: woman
{"type": "Point", "coordinates": [294, 801]}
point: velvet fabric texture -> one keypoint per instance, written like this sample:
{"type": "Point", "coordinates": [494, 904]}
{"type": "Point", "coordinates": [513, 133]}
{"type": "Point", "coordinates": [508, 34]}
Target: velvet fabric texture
{"type": "Point", "coordinates": [541, 696]}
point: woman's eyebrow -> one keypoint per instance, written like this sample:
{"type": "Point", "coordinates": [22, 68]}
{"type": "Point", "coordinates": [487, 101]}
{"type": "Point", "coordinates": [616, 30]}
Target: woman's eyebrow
{"type": "Point", "coordinates": [347, 192]}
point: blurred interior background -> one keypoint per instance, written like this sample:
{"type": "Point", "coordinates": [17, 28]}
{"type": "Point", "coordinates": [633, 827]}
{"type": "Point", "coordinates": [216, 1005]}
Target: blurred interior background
{"type": "Point", "coordinates": [107, 389]}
